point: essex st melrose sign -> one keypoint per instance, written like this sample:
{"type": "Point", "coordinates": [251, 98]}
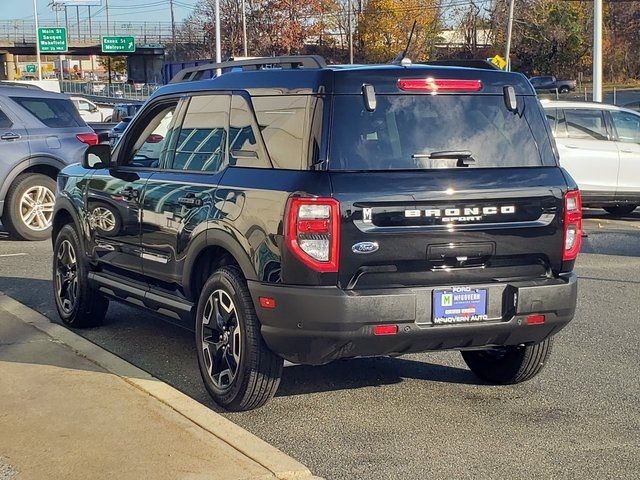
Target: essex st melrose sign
{"type": "Point", "coordinates": [118, 44]}
{"type": "Point", "coordinates": [52, 39]}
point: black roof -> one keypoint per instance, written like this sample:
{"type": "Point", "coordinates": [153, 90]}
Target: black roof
{"type": "Point", "coordinates": [343, 79]}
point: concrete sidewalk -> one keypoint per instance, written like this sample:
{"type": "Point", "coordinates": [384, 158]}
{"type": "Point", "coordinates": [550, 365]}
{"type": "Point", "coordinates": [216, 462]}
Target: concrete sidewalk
{"type": "Point", "coordinates": [65, 416]}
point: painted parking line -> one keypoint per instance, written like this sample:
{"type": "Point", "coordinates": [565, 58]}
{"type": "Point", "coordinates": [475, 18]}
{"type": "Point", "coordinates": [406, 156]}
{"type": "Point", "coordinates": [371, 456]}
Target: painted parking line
{"type": "Point", "coordinates": [13, 254]}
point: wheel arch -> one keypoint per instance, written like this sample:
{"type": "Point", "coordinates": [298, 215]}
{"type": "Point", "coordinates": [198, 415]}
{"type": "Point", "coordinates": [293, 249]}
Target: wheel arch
{"type": "Point", "coordinates": [49, 166]}
{"type": "Point", "coordinates": [213, 249]}
{"type": "Point", "coordinates": [65, 214]}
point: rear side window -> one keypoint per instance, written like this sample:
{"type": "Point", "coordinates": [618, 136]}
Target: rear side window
{"type": "Point", "coordinates": [53, 112]}
{"type": "Point", "coordinates": [405, 130]}
{"type": "Point", "coordinates": [5, 122]}
{"type": "Point", "coordinates": [244, 148]}
{"type": "Point", "coordinates": [585, 123]}
{"type": "Point", "coordinates": [283, 121]}
{"type": "Point", "coordinates": [627, 126]}
{"type": "Point", "coordinates": [202, 140]}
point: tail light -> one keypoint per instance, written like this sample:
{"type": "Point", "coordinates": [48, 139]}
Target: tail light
{"type": "Point", "coordinates": [439, 85]}
{"type": "Point", "coordinates": [155, 138]}
{"type": "Point", "coordinates": [312, 232]}
{"type": "Point", "coordinates": [88, 138]}
{"type": "Point", "coordinates": [572, 225]}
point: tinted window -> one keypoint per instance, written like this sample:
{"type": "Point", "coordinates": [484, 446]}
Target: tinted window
{"type": "Point", "coordinates": [585, 123]}
{"type": "Point", "coordinates": [202, 139]}
{"type": "Point", "coordinates": [151, 140]}
{"type": "Point", "coordinates": [405, 129]}
{"type": "Point", "coordinates": [283, 122]}
{"type": "Point", "coordinates": [4, 120]}
{"type": "Point", "coordinates": [627, 126]}
{"type": "Point", "coordinates": [552, 117]}
{"type": "Point", "coordinates": [53, 112]}
{"type": "Point", "coordinates": [244, 149]}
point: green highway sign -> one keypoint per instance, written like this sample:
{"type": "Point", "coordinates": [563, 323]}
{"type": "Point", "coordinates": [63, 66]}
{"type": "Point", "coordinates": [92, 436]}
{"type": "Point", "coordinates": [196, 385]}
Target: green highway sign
{"type": "Point", "coordinates": [30, 68]}
{"type": "Point", "coordinates": [52, 39]}
{"type": "Point", "coordinates": [118, 45]}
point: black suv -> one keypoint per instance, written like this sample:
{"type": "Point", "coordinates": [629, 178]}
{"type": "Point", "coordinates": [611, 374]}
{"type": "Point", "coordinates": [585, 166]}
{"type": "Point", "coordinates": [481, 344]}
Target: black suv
{"type": "Point", "coordinates": [307, 212]}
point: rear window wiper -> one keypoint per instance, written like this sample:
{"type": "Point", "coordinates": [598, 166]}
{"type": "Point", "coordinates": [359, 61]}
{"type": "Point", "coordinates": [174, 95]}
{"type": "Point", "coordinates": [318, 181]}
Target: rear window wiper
{"type": "Point", "coordinates": [464, 157]}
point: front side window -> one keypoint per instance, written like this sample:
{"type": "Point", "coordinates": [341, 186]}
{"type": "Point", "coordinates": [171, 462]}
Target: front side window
{"type": "Point", "coordinates": [53, 112]}
{"type": "Point", "coordinates": [5, 122]}
{"type": "Point", "coordinates": [585, 123]}
{"type": "Point", "coordinates": [415, 131]}
{"type": "Point", "coordinates": [203, 135]}
{"type": "Point", "coordinates": [627, 125]}
{"type": "Point", "coordinates": [153, 138]}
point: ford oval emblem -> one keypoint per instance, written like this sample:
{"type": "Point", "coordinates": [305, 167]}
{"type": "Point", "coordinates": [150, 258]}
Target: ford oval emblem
{"type": "Point", "coordinates": [365, 247]}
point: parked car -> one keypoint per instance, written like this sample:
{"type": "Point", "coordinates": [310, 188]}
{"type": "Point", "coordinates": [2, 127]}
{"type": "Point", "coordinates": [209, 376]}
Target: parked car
{"type": "Point", "coordinates": [116, 132]}
{"type": "Point", "coordinates": [599, 145]}
{"type": "Point", "coordinates": [40, 133]}
{"type": "Point", "coordinates": [549, 83]}
{"type": "Point", "coordinates": [633, 106]}
{"type": "Point", "coordinates": [122, 110]}
{"type": "Point", "coordinates": [90, 111]}
{"type": "Point", "coordinates": [332, 212]}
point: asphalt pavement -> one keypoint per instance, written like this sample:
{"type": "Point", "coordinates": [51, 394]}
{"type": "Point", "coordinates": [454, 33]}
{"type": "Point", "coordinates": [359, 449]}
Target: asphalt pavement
{"type": "Point", "coordinates": [426, 416]}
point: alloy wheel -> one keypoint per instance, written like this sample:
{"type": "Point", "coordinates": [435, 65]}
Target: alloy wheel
{"type": "Point", "coordinates": [66, 276]}
{"type": "Point", "coordinates": [36, 207]}
{"type": "Point", "coordinates": [103, 218]}
{"type": "Point", "coordinates": [221, 339]}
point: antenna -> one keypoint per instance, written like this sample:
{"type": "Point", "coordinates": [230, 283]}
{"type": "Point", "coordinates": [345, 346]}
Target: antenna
{"type": "Point", "coordinates": [400, 57]}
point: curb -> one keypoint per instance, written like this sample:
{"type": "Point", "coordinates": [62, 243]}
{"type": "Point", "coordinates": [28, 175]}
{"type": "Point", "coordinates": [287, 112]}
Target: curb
{"type": "Point", "coordinates": [282, 466]}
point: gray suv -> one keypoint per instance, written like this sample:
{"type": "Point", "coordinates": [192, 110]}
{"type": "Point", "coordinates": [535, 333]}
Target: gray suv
{"type": "Point", "coordinates": [40, 133]}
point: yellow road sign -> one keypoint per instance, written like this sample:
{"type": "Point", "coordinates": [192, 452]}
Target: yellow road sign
{"type": "Point", "coordinates": [499, 62]}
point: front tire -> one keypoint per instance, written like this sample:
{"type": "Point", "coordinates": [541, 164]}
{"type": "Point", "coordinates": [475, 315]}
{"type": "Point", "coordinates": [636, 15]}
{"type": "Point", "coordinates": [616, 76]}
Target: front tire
{"type": "Point", "coordinates": [29, 205]}
{"type": "Point", "coordinates": [508, 365]}
{"type": "Point", "coordinates": [620, 210]}
{"type": "Point", "coordinates": [238, 369]}
{"type": "Point", "coordinates": [77, 303]}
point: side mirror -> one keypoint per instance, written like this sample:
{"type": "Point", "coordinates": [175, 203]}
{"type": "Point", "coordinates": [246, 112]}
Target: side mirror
{"type": "Point", "coordinates": [93, 109]}
{"type": "Point", "coordinates": [97, 156]}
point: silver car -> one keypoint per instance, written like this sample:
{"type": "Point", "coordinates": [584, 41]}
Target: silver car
{"type": "Point", "coordinates": [599, 146]}
{"type": "Point", "coordinates": [40, 133]}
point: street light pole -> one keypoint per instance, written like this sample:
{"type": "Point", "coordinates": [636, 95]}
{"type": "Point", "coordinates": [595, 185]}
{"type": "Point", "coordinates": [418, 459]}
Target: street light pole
{"type": "Point", "coordinates": [507, 48]}
{"type": "Point", "coordinates": [218, 46]}
{"type": "Point", "coordinates": [350, 27]}
{"type": "Point", "coordinates": [35, 16]}
{"type": "Point", "coordinates": [173, 31]}
{"type": "Point", "coordinates": [244, 28]}
{"type": "Point", "coordinates": [597, 51]}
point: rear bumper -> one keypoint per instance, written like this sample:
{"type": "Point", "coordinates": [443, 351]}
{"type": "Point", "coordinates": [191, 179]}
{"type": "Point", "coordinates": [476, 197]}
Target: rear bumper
{"type": "Point", "coordinates": [315, 325]}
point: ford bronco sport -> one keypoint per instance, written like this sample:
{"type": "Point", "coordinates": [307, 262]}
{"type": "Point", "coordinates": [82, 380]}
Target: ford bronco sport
{"type": "Point", "coordinates": [295, 210]}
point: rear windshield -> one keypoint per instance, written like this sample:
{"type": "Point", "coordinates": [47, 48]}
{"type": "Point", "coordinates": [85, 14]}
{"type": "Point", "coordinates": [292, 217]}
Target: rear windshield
{"type": "Point", "coordinates": [405, 130]}
{"type": "Point", "coordinates": [53, 112]}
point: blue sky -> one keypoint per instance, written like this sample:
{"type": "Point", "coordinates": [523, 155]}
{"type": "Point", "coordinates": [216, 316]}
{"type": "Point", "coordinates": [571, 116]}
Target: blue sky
{"type": "Point", "coordinates": [119, 10]}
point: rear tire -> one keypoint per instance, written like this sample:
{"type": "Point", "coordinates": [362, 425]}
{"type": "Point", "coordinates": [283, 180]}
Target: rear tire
{"type": "Point", "coordinates": [238, 369]}
{"type": "Point", "coordinates": [28, 210]}
{"type": "Point", "coordinates": [77, 303]}
{"type": "Point", "coordinates": [508, 365]}
{"type": "Point", "coordinates": [621, 210]}
{"type": "Point", "coordinates": [564, 90]}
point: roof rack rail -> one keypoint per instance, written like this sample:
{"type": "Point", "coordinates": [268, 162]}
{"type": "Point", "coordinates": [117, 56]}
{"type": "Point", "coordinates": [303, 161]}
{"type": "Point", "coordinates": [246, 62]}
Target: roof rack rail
{"type": "Point", "coordinates": [469, 63]}
{"type": "Point", "coordinates": [9, 83]}
{"type": "Point", "coordinates": [293, 62]}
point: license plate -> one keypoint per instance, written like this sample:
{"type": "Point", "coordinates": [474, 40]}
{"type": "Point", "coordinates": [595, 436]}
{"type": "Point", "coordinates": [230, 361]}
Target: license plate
{"type": "Point", "coordinates": [459, 305]}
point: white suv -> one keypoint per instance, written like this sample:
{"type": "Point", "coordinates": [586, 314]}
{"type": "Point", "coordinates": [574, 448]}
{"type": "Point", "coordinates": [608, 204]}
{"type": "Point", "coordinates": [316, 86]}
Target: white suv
{"type": "Point", "coordinates": [599, 146]}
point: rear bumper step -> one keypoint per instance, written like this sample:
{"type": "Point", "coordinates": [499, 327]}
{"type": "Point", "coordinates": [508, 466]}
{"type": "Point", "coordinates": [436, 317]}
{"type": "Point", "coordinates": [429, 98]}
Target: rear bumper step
{"type": "Point", "coordinates": [315, 325]}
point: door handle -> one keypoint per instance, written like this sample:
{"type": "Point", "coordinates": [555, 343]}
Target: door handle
{"type": "Point", "coordinates": [10, 136]}
{"type": "Point", "coordinates": [627, 151]}
{"type": "Point", "coordinates": [573, 147]}
{"type": "Point", "coordinates": [129, 193]}
{"type": "Point", "coordinates": [190, 201]}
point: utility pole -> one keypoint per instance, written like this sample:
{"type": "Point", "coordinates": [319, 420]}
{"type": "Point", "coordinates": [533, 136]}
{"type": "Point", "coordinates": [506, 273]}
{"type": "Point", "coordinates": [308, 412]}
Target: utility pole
{"type": "Point", "coordinates": [78, 20]}
{"type": "Point", "coordinates": [218, 46]}
{"type": "Point", "coordinates": [106, 8]}
{"type": "Point", "coordinates": [597, 50]}
{"type": "Point", "coordinates": [350, 32]}
{"type": "Point", "coordinates": [35, 16]}
{"type": "Point", "coordinates": [244, 29]}
{"type": "Point", "coordinates": [507, 48]}
{"type": "Point", "coordinates": [173, 31]}
{"type": "Point", "coordinates": [56, 9]}
{"type": "Point", "coordinates": [93, 68]}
